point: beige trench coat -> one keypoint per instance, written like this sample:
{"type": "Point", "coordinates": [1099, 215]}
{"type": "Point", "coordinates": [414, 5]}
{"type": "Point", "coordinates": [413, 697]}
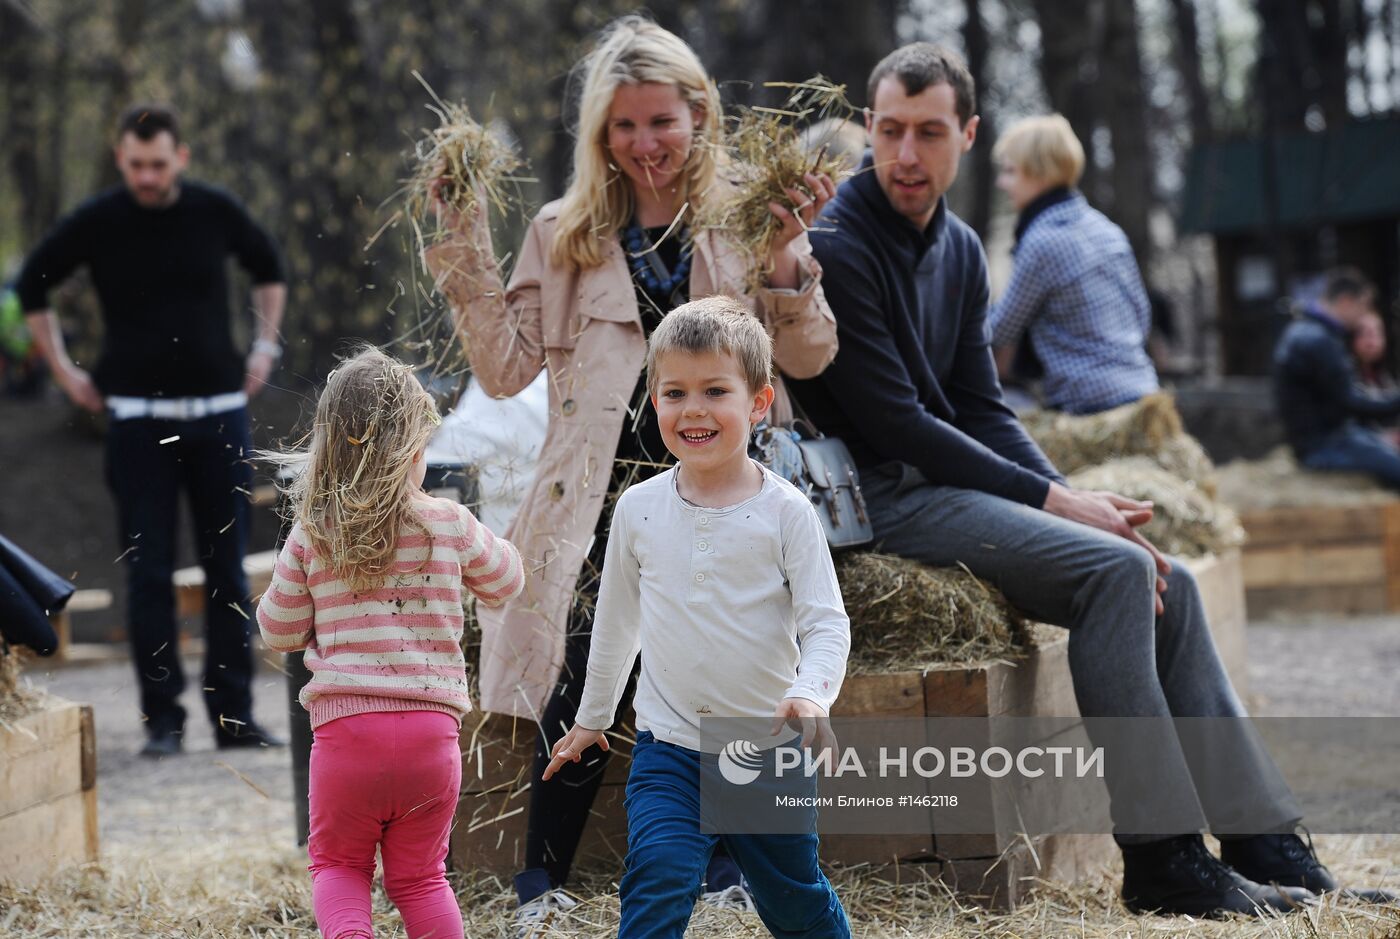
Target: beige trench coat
{"type": "Point", "coordinates": [584, 327]}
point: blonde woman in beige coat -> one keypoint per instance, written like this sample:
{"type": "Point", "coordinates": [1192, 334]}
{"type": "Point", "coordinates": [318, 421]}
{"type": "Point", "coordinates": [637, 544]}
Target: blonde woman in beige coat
{"type": "Point", "coordinates": [597, 271]}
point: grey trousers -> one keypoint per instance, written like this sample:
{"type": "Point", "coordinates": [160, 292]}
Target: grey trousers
{"type": "Point", "coordinates": [1125, 661]}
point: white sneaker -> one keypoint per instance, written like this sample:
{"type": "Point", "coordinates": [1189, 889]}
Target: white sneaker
{"type": "Point", "coordinates": [734, 898]}
{"type": "Point", "coordinates": [531, 917]}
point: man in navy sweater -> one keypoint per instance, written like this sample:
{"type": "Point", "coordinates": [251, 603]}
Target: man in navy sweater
{"type": "Point", "coordinates": [175, 389]}
{"type": "Point", "coordinates": [951, 477]}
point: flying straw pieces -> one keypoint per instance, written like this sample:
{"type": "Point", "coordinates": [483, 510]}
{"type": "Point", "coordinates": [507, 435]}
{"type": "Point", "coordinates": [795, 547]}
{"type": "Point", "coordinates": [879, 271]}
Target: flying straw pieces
{"type": "Point", "coordinates": [763, 156]}
{"type": "Point", "coordinates": [460, 162]}
{"type": "Point", "coordinates": [1185, 521]}
{"type": "Point", "coordinates": [1150, 427]}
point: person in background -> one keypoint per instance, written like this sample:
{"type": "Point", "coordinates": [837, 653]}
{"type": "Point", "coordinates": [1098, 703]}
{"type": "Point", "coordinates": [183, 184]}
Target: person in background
{"type": "Point", "coordinates": [1317, 388]}
{"type": "Point", "coordinates": [1075, 288]}
{"type": "Point", "coordinates": [175, 388]}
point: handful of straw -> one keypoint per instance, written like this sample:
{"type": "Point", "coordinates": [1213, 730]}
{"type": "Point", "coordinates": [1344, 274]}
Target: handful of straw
{"type": "Point", "coordinates": [458, 163]}
{"type": "Point", "coordinates": [764, 156]}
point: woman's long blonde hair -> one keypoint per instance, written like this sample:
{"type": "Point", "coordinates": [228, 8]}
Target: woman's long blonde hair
{"type": "Point", "coordinates": [353, 495]}
{"type": "Point", "coordinates": [632, 50]}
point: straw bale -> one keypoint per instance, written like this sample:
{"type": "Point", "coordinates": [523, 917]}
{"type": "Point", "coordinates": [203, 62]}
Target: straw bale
{"type": "Point", "coordinates": [1185, 521]}
{"type": "Point", "coordinates": [764, 154]}
{"type": "Point", "coordinates": [907, 615]}
{"type": "Point", "coordinates": [1149, 427]}
{"type": "Point", "coordinates": [17, 697]}
{"type": "Point", "coordinates": [1277, 481]}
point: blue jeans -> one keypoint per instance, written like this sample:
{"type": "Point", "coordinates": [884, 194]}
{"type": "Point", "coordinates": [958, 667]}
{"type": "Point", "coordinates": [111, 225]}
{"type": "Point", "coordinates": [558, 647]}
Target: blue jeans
{"type": "Point", "coordinates": [208, 460]}
{"type": "Point", "coordinates": [1354, 448]}
{"type": "Point", "coordinates": [667, 854]}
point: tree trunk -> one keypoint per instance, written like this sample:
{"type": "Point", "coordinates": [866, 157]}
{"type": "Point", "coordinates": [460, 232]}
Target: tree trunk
{"type": "Point", "coordinates": [983, 170]}
{"type": "Point", "coordinates": [22, 70]}
{"type": "Point", "coordinates": [1121, 79]}
{"type": "Point", "coordinates": [1070, 69]}
{"type": "Point", "coordinates": [1188, 63]}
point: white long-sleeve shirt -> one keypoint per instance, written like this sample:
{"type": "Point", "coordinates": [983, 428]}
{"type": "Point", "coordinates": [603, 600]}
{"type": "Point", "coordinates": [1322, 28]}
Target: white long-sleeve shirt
{"type": "Point", "coordinates": [732, 609]}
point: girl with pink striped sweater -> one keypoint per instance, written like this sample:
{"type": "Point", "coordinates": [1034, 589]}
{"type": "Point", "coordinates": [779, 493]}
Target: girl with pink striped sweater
{"type": "Point", "coordinates": [371, 584]}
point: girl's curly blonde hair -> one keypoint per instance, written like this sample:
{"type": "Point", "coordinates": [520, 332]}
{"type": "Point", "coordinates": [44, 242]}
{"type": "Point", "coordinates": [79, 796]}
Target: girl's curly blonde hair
{"type": "Point", "coordinates": [353, 495]}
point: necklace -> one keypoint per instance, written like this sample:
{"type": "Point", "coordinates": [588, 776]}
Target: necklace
{"type": "Point", "coordinates": [647, 268]}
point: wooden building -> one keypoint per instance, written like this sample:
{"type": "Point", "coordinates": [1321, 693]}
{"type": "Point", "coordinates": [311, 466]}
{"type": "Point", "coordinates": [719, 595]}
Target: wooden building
{"type": "Point", "coordinates": [1282, 210]}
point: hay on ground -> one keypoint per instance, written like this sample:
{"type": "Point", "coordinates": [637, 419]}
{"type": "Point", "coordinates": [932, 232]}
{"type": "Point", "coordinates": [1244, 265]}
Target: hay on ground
{"type": "Point", "coordinates": [1277, 481]}
{"type": "Point", "coordinates": [764, 155]}
{"type": "Point", "coordinates": [907, 615]}
{"type": "Point", "coordinates": [214, 889]}
{"type": "Point", "coordinates": [1150, 427]}
{"type": "Point", "coordinates": [1185, 521]}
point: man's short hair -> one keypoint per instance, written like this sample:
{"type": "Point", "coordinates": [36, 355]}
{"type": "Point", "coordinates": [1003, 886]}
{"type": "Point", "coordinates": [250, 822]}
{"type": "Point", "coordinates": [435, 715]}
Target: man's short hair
{"type": "Point", "coordinates": [921, 64]}
{"type": "Point", "coordinates": [1043, 148]}
{"type": "Point", "coordinates": [719, 325]}
{"type": "Point", "coordinates": [1347, 282]}
{"type": "Point", "coordinates": [146, 121]}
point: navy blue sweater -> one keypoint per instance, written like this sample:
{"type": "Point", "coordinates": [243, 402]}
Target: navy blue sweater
{"type": "Point", "coordinates": [162, 278]}
{"type": "Point", "coordinates": [914, 379]}
{"type": "Point", "coordinates": [1316, 386]}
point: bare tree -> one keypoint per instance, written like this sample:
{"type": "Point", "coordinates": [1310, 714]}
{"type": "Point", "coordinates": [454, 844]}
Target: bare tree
{"type": "Point", "coordinates": [1126, 109]}
{"type": "Point", "coordinates": [1187, 48]}
{"type": "Point", "coordinates": [978, 50]}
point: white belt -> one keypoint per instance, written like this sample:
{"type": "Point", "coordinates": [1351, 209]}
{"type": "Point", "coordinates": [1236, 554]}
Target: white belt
{"type": "Point", "coordinates": [175, 409]}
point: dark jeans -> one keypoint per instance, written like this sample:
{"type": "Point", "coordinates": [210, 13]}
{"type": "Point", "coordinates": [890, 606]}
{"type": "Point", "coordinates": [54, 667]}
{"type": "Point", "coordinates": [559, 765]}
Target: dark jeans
{"type": "Point", "coordinates": [667, 854]}
{"type": "Point", "coordinates": [208, 459]}
{"type": "Point", "coordinates": [1353, 448]}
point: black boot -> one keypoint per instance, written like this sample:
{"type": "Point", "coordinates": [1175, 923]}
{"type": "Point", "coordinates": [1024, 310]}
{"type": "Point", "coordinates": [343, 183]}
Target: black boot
{"type": "Point", "coordinates": [230, 735]}
{"type": "Point", "coordinates": [1179, 876]}
{"type": "Point", "coordinates": [1286, 860]}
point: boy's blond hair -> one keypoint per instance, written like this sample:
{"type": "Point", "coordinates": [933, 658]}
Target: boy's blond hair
{"type": "Point", "coordinates": [1043, 148]}
{"type": "Point", "coordinates": [721, 325]}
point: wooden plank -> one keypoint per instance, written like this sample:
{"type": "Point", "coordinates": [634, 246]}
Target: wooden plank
{"type": "Point", "coordinates": [1037, 685]}
{"type": "Point", "coordinates": [42, 758]}
{"type": "Point", "coordinates": [89, 747]}
{"type": "Point", "coordinates": [189, 582]}
{"type": "Point", "coordinates": [489, 834]}
{"type": "Point", "coordinates": [1351, 600]}
{"type": "Point", "coordinates": [1221, 582]}
{"type": "Point", "coordinates": [1392, 556]}
{"type": "Point", "coordinates": [1306, 564]}
{"type": "Point", "coordinates": [956, 692]}
{"type": "Point", "coordinates": [1002, 882]}
{"type": "Point", "coordinates": [1318, 524]}
{"type": "Point", "coordinates": [908, 848]}
{"type": "Point", "coordinates": [889, 694]}
{"type": "Point", "coordinates": [43, 838]}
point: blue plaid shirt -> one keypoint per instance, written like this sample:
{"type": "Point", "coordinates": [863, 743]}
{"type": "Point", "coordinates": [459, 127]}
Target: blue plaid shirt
{"type": "Point", "coordinates": [1076, 289]}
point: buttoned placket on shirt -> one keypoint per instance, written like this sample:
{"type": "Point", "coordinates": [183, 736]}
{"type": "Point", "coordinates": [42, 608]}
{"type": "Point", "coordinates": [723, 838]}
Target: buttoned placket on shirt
{"type": "Point", "coordinates": [701, 555]}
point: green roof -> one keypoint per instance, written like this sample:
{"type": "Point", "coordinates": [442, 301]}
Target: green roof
{"type": "Point", "coordinates": [1349, 174]}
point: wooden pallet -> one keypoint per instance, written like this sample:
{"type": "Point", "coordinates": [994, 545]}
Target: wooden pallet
{"type": "Point", "coordinates": [48, 792]}
{"type": "Point", "coordinates": [1323, 559]}
{"type": "Point", "coordinates": [995, 868]}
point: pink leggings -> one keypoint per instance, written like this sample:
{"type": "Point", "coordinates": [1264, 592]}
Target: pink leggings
{"type": "Point", "coordinates": [386, 779]}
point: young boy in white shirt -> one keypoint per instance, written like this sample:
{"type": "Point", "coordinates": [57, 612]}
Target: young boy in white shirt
{"type": "Point", "coordinates": [718, 571]}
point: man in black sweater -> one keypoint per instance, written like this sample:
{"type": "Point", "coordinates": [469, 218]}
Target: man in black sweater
{"type": "Point", "coordinates": [1320, 397]}
{"type": "Point", "coordinates": [950, 477]}
{"type": "Point", "coordinates": [176, 391]}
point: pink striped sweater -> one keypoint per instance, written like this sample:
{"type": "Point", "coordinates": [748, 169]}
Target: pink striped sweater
{"type": "Point", "coordinates": [398, 648]}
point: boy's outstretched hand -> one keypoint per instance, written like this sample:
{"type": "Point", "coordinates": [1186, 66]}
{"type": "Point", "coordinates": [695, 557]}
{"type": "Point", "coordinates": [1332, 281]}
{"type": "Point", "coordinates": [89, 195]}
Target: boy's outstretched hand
{"type": "Point", "coordinates": [570, 748]}
{"type": "Point", "coordinates": [817, 734]}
